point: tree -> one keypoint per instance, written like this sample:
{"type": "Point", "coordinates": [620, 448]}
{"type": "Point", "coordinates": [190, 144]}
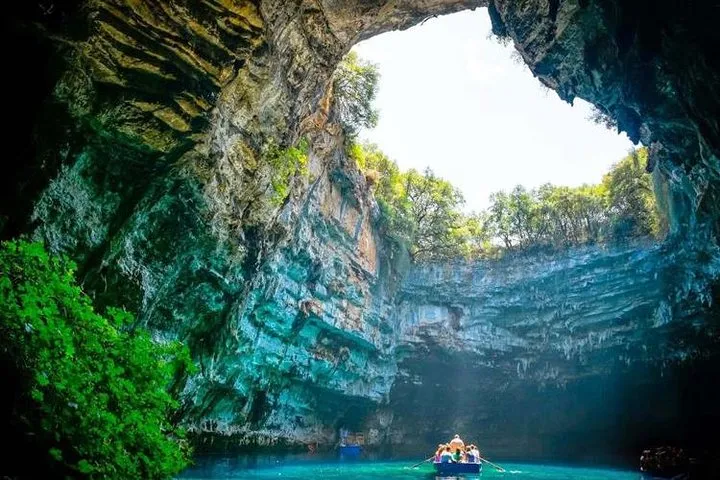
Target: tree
{"type": "Point", "coordinates": [600, 116]}
{"type": "Point", "coordinates": [574, 216]}
{"type": "Point", "coordinates": [383, 174]}
{"type": "Point", "coordinates": [388, 186]}
{"type": "Point", "coordinates": [500, 218]}
{"type": "Point", "coordinates": [354, 89]}
{"type": "Point", "coordinates": [433, 209]}
{"type": "Point", "coordinates": [631, 197]}
{"type": "Point", "coordinates": [419, 210]}
{"type": "Point", "coordinates": [524, 216]}
{"type": "Point", "coordinates": [87, 394]}
{"type": "Point", "coordinates": [478, 232]}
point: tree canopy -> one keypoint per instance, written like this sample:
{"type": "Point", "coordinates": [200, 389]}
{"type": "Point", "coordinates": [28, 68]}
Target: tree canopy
{"type": "Point", "coordinates": [424, 212]}
{"type": "Point", "coordinates": [355, 85]}
{"type": "Point", "coordinates": [631, 197]}
{"type": "Point", "coordinates": [418, 209]}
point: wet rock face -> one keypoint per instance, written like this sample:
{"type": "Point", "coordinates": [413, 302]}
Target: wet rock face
{"type": "Point", "coordinates": [532, 314]}
{"type": "Point", "coordinates": [568, 355]}
{"type": "Point", "coordinates": [140, 148]}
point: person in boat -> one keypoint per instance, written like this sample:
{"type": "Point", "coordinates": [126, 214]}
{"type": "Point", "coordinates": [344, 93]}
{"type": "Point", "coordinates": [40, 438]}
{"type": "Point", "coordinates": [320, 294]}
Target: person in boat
{"type": "Point", "coordinates": [476, 453]}
{"type": "Point", "coordinates": [446, 456]}
{"type": "Point", "coordinates": [470, 455]}
{"type": "Point", "coordinates": [456, 443]}
{"type": "Point", "coordinates": [438, 453]}
{"type": "Point", "coordinates": [458, 456]}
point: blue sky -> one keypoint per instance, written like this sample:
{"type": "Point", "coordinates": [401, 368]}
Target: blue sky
{"type": "Point", "coordinates": [455, 100]}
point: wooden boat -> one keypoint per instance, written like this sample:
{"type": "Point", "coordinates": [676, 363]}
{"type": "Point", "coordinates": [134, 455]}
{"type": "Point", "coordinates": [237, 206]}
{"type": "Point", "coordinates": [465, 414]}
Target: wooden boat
{"type": "Point", "coordinates": [457, 468]}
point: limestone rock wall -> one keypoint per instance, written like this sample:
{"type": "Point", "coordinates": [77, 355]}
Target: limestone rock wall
{"type": "Point", "coordinates": [579, 353]}
{"type": "Point", "coordinates": [137, 147]}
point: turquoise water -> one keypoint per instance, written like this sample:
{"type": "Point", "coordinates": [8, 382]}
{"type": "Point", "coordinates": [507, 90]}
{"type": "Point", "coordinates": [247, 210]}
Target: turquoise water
{"type": "Point", "coordinates": [282, 469]}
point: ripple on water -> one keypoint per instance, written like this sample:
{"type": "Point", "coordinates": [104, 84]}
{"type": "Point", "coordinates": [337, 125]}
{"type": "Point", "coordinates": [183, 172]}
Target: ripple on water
{"type": "Point", "coordinates": [242, 468]}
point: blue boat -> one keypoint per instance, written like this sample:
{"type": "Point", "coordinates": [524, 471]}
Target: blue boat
{"type": "Point", "coordinates": [350, 443]}
{"type": "Point", "coordinates": [350, 451]}
{"type": "Point", "coordinates": [457, 468]}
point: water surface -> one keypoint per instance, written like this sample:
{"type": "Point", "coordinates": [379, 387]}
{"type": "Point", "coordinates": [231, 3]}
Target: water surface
{"type": "Point", "coordinates": [326, 469]}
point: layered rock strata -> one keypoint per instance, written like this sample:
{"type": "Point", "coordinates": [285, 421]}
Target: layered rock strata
{"type": "Point", "coordinates": [140, 149]}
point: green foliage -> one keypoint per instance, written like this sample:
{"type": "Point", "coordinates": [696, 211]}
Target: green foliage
{"type": "Point", "coordinates": [354, 89]}
{"type": "Point", "coordinates": [575, 215]}
{"type": "Point", "coordinates": [602, 117]}
{"type": "Point", "coordinates": [550, 215]}
{"type": "Point", "coordinates": [622, 206]}
{"type": "Point", "coordinates": [632, 199]}
{"type": "Point", "coordinates": [433, 207]}
{"type": "Point", "coordinates": [386, 181]}
{"type": "Point", "coordinates": [478, 235]}
{"type": "Point", "coordinates": [285, 164]}
{"type": "Point", "coordinates": [88, 391]}
{"type": "Point", "coordinates": [418, 210]}
{"type": "Point", "coordinates": [423, 212]}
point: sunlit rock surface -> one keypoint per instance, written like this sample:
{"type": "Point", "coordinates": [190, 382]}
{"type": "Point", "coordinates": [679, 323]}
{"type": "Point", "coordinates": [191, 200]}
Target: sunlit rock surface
{"type": "Point", "coordinates": [136, 146]}
{"type": "Point", "coordinates": [553, 306]}
{"type": "Point", "coordinates": [568, 354]}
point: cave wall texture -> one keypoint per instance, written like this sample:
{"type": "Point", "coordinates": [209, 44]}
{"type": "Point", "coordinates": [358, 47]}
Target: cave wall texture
{"type": "Point", "coordinates": [135, 145]}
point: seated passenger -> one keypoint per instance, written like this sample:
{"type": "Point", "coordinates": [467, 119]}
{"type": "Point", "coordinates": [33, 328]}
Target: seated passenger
{"type": "Point", "coordinates": [469, 454]}
{"type": "Point", "coordinates": [457, 456]}
{"type": "Point", "coordinates": [446, 456]}
{"type": "Point", "coordinates": [439, 452]}
{"type": "Point", "coordinates": [476, 453]}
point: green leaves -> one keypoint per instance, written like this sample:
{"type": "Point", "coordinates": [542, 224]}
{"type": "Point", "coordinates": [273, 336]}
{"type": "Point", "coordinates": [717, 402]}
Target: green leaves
{"type": "Point", "coordinates": [433, 208]}
{"type": "Point", "coordinates": [419, 211]}
{"type": "Point", "coordinates": [422, 212]}
{"type": "Point", "coordinates": [621, 207]}
{"type": "Point", "coordinates": [284, 165]}
{"type": "Point", "coordinates": [89, 392]}
{"type": "Point", "coordinates": [84, 466]}
{"type": "Point", "coordinates": [354, 89]}
{"type": "Point", "coordinates": [631, 198]}
{"type": "Point", "coordinates": [56, 454]}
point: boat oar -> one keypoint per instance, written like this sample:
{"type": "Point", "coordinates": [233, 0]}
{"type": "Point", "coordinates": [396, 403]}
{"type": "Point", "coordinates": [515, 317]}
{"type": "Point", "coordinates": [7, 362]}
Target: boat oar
{"type": "Point", "coordinates": [426, 460]}
{"type": "Point", "coordinates": [500, 469]}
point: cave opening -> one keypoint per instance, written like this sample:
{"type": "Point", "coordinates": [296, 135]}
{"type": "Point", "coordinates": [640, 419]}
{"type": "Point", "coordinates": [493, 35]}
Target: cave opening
{"type": "Point", "coordinates": [454, 97]}
{"type": "Point", "coordinates": [445, 103]}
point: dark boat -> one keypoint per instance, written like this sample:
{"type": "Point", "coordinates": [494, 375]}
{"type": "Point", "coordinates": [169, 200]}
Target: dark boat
{"type": "Point", "coordinates": [457, 468]}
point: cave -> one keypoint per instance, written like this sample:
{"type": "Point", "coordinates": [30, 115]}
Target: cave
{"type": "Point", "coordinates": [138, 148]}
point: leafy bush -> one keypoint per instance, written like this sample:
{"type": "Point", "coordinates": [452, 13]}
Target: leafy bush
{"type": "Point", "coordinates": [284, 165]}
{"type": "Point", "coordinates": [87, 394]}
